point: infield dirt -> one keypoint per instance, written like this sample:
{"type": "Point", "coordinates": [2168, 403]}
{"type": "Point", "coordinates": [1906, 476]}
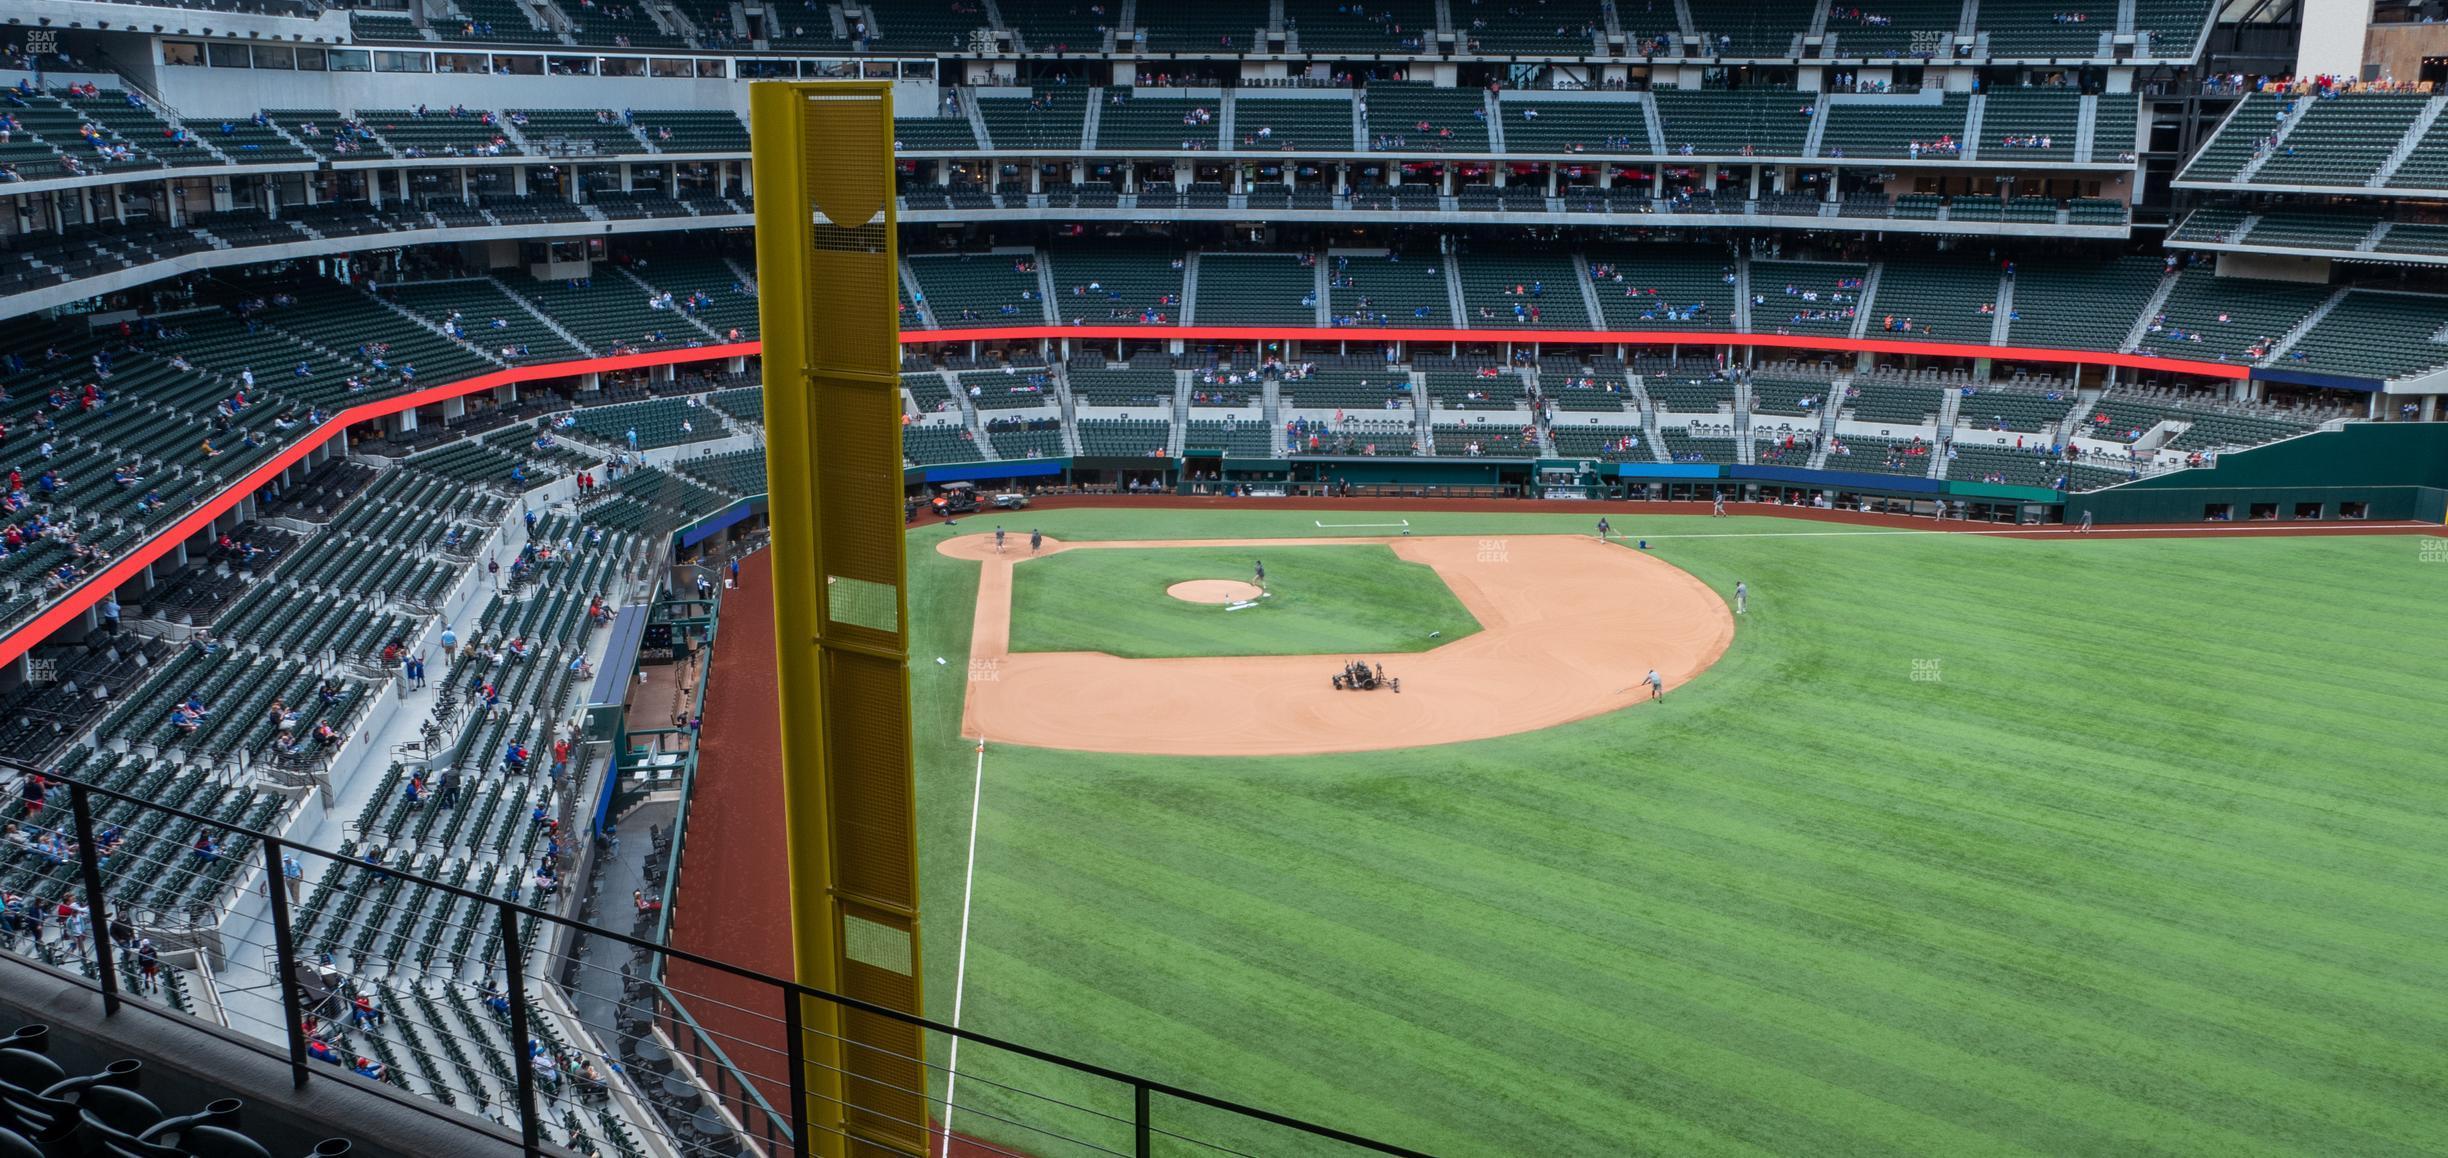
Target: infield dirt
{"type": "Point", "coordinates": [1569, 627]}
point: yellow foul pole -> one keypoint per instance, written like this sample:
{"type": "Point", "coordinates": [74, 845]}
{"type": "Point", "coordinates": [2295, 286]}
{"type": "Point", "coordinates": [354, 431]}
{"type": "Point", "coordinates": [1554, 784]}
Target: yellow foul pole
{"type": "Point", "coordinates": [828, 278]}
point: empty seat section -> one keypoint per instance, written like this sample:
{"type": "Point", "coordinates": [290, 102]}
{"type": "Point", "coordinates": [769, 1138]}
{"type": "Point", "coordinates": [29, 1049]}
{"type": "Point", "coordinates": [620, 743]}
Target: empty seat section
{"type": "Point", "coordinates": [608, 312]}
{"type": "Point", "coordinates": [2427, 166]}
{"type": "Point", "coordinates": [1059, 25]}
{"type": "Point", "coordinates": [1231, 439]}
{"type": "Point", "coordinates": [1562, 27]}
{"type": "Point", "coordinates": [932, 444]}
{"type": "Point", "coordinates": [2214, 319]}
{"type": "Point", "coordinates": [1747, 122]}
{"type": "Point", "coordinates": [1602, 442]}
{"type": "Point", "coordinates": [1163, 123]}
{"type": "Point", "coordinates": [1805, 297]}
{"type": "Point", "coordinates": [692, 130]}
{"type": "Point", "coordinates": [2174, 27]}
{"type": "Point", "coordinates": [1255, 289]}
{"type": "Point", "coordinates": [1484, 440]}
{"type": "Point", "coordinates": [1125, 437]}
{"type": "Point", "coordinates": [1121, 386]}
{"type": "Point", "coordinates": [922, 133]}
{"type": "Point", "coordinates": [985, 289]}
{"type": "Point", "coordinates": [1117, 285]}
{"type": "Point", "coordinates": [2081, 304]}
{"type": "Point", "coordinates": [2004, 466]}
{"type": "Point", "coordinates": [1935, 301]}
{"type": "Point", "coordinates": [2047, 28]}
{"type": "Point", "coordinates": [1488, 389]}
{"type": "Point", "coordinates": [1897, 28]}
{"type": "Point", "coordinates": [1522, 291]}
{"type": "Point", "coordinates": [1293, 121]}
{"type": "Point", "coordinates": [437, 134]}
{"type": "Point", "coordinates": [924, 25]}
{"type": "Point", "coordinates": [1761, 28]}
{"type": "Point", "coordinates": [2375, 335]}
{"type": "Point", "coordinates": [1010, 388]}
{"type": "Point", "coordinates": [1663, 287]}
{"type": "Point", "coordinates": [2030, 125]}
{"type": "Point", "coordinates": [2237, 141]}
{"type": "Point", "coordinates": [1534, 125]}
{"type": "Point", "coordinates": [1419, 118]}
{"type": "Point", "coordinates": [2342, 141]}
{"type": "Point", "coordinates": [2315, 229]}
{"type": "Point", "coordinates": [1051, 119]}
{"type": "Point", "coordinates": [1904, 456]}
{"type": "Point", "coordinates": [1222, 26]}
{"type": "Point", "coordinates": [1896, 127]}
{"type": "Point", "coordinates": [1374, 26]}
{"type": "Point", "coordinates": [1389, 290]}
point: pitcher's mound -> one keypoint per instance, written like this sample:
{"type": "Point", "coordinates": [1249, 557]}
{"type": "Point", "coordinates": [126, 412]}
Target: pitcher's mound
{"type": "Point", "coordinates": [1214, 591]}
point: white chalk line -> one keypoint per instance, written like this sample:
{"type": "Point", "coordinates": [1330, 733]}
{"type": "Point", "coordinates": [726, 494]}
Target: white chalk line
{"type": "Point", "coordinates": [1347, 526]}
{"type": "Point", "coordinates": [960, 971]}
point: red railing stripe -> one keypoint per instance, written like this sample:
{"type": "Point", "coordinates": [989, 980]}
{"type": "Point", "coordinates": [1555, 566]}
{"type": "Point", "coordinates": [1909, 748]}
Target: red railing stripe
{"type": "Point", "coordinates": [16, 642]}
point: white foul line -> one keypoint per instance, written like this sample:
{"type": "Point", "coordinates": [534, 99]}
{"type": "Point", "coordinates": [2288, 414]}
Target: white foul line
{"type": "Point", "coordinates": [1340, 526]}
{"type": "Point", "coordinates": [2021, 532]}
{"type": "Point", "coordinates": [960, 971]}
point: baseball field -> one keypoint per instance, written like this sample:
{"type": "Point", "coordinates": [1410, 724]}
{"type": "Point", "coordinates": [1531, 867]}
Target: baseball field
{"type": "Point", "coordinates": [1951, 845]}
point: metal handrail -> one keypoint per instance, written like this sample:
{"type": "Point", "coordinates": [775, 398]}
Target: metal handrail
{"type": "Point", "coordinates": [509, 914]}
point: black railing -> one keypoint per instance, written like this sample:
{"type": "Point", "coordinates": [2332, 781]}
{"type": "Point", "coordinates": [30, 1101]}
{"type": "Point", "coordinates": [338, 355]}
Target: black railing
{"type": "Point", "coordinates": [378, 986]}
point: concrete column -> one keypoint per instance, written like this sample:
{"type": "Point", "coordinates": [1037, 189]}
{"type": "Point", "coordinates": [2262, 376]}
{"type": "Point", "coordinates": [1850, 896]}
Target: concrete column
{"type": "Point", "coordinates": [2332, 40]}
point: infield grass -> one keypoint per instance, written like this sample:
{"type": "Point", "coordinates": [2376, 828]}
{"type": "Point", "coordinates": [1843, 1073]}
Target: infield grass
{"type": "Point", "coordinates": [1352, 600]}
{"type": "Point", "coordinates": [1968, 846]}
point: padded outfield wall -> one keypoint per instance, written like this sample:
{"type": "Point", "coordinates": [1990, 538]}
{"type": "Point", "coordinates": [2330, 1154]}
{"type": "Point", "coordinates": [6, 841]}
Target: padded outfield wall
{"type": "Point", "coordinates": [2399, 469]}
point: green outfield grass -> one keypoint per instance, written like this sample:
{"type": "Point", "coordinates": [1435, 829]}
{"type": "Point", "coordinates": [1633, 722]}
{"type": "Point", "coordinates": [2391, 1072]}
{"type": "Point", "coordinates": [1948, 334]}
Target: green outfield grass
{"type": "Point", "coordinates": [1321, 600]}
{"type": "Point", "coordinates": [2150, 859]}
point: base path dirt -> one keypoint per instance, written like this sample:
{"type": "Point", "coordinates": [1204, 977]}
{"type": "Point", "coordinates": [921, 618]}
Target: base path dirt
{"type": "Point", "coordinates": [1214, 591]}
{"type": "Point", "coordinates": [1568, 626]}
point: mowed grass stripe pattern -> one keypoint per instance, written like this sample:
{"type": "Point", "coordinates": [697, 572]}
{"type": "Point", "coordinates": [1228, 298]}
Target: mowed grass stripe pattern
{"type": "Point", "coordinates": [1355, 600]}
{"type": "Point", "coordinates": [2153, 866]}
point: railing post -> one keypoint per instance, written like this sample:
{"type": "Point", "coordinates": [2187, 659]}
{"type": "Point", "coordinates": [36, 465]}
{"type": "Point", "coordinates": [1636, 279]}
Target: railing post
{"type": "Point", "coordinates": [97, 908]}
{"type": "Point", "coordinates": [1146, 1143]}
{"type": "Point", "coordinates": [793, 1030]}
{"type": "Point", "coordinates": [285, 959]}
{"type": "Point", "coordinates": [515, 968]}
